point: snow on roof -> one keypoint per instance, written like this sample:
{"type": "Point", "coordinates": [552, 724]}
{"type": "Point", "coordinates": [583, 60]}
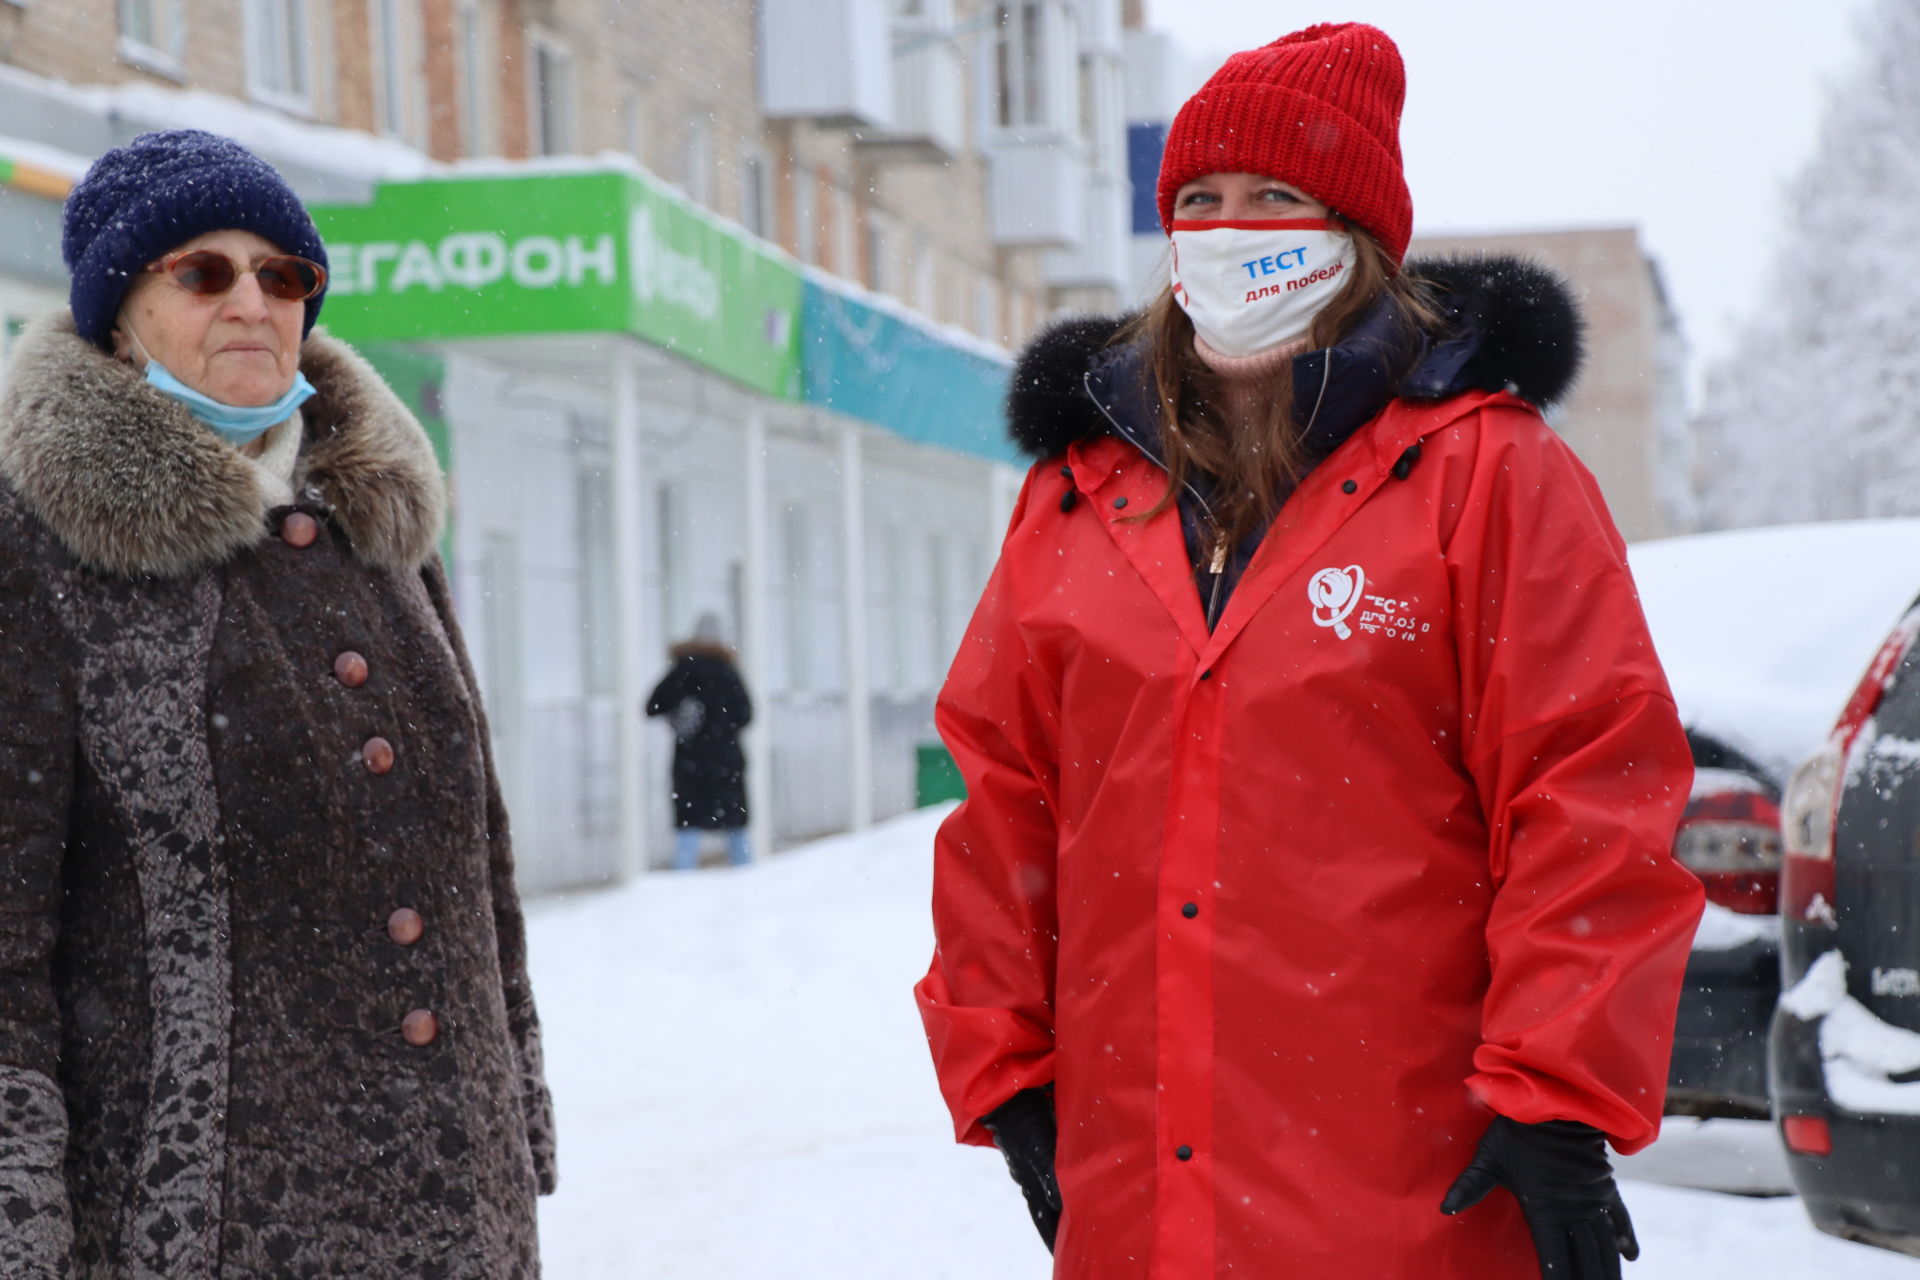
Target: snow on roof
{"type": "Point", "coordinates": [345, 151]}
{"type": "Point", "coordinates": [1764, 632]}
{"type": "Point", "coordinates": [67, 164]}
{"type": "Point", "coordinates": [952, 335]}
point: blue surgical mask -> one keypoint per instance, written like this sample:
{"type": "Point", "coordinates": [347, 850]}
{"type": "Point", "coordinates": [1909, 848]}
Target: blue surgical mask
{"type": "Point", "coordinates": [238, 425]}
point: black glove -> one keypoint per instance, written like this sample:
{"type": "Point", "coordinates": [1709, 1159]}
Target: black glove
{"type": "Point", "coordinates": [1558, 1171]}
{"type": "Point", "coordinates": [1023, 1129]}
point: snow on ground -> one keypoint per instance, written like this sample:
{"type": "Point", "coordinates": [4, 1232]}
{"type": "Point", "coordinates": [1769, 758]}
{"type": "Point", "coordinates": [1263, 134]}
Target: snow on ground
{"type": "Point", "coordinates": [1765, 632]}
{"type": "Point", "coordinates": [743, 1093]}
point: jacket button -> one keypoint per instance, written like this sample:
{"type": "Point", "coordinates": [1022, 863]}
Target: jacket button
{"type": "Point", "coordinates": [1183, 1151]}
{"type": "Point", "coordinates": [299, 529]}
{"type": "Point", "coordinates": [377, 755]}
{"type": "Point", "coordinates": [1119, 502]}
{"type": "Point", "coordinates": [420, 1028]}
{"type": "Point", "coordinates": [405, 926]}
{"type": "Point", "coordinates": [1348, 487]}
{"type": "Point", "coordinates": [1191, 910]}
{"type": "Point", "coordinates": [350, 669]}
{"type": "Point", "coordinates": [1207, 674]}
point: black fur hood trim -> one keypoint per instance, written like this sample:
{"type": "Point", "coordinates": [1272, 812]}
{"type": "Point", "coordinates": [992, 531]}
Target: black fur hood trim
{"type": "Point", "coordinates": [1513, 325]}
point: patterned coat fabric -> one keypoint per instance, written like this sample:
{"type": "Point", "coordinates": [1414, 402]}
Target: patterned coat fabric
{"type": "Point", "coordinates": [206, 952]}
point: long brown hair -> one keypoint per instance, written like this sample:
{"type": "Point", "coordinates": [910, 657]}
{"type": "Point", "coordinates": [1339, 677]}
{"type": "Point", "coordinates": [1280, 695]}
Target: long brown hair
{"type": "Point", "coordinates": [1255, 463]}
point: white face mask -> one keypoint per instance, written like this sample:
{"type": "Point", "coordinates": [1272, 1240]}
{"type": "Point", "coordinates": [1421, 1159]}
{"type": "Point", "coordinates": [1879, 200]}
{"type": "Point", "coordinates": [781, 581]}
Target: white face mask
{"type": "Point", "coordinates": [1249, 286]}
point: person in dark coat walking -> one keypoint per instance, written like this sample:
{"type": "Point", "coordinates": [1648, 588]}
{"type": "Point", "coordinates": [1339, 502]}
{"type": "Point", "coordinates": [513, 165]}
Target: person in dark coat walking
{"type": "Point", "coordinates": [706, 702]}
{"type": "Point", "coordinates": [264, 1006]}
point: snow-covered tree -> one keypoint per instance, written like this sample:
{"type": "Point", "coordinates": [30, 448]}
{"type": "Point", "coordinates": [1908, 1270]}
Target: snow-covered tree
{"type": "Point", "coordinates": [1816, 413]}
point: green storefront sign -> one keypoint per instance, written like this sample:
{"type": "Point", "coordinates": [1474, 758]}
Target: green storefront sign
{"type": "Point", "coordinates": [556, 253]}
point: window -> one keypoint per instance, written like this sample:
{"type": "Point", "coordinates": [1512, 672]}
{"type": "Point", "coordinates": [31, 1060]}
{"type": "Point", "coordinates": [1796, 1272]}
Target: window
{"type": "Point", "coordinates": [806, 223]}
{"type": "Point", "coordinates": [633, 123]}
{"type": "Point", "coordinates": [1035, 62]}
{"type": "Point", "coordinates": [846, 231]}
{"type": "Point", "coordinates": [152, 35]}
{"type": "Point", "coordinates": [473, 44]}
{"type": "Point", "coordinates": [899, 610]}
{"type": "Point", "coordinates": [937, 629]}
{"type": "Point", "coordinates": [696, 158]}
{"type": "Point", "coordinates": [925, 297]}
{"type": "Point", "coordinates": [668, 561]}
{"type": "Point", "coordinates": [756, 207]}
{"type": "Point", "coordinates": [799, 566]}
{"type": "Point", "coordinates": [551, 86]}
{"type": "Point", "coordinates": [986, 308]}
{"type": "Point", "coordinates": [279, 53]}
{"type": "Point", "coordinates": [599, 605]}
{"type": "Point", "coordinates": [879, 276]}
{"type": "Point", "coordinates": [397, 70]}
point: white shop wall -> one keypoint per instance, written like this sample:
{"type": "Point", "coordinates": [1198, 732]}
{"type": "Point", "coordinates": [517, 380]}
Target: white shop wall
{"type": "Point", "coordinates": [534, 579]}
{"type": "Point", "coordinates": [532, 572]}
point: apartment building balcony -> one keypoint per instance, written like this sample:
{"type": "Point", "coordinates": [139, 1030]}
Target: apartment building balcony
{"type": "Point", "coordinates": [827, 61]}
{"type": "Point", "coordinates": [929, 122]}
{"type": "Point", "coordinates": [1037, 187]}
{"type": "Point", "coordinates": [1101, 259]}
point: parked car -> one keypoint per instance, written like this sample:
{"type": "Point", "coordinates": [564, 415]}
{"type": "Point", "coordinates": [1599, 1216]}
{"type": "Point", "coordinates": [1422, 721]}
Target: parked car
{"type": "Point", "coordinates": [1845, 1051]}
{"type": "Point", "coordinates": [1762, 632]}
{"type": "Point", "coordinates": [1729, 836]}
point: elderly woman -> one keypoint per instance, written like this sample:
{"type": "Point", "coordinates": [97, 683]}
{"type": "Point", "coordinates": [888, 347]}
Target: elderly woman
{"type": "Point", "coordinates": [264, 1007]}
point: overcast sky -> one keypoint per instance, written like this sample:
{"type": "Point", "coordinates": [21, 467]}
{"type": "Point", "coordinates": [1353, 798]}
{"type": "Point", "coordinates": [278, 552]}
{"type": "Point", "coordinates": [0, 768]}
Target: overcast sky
{"type": "Point", "coordinates": [1686, 118]}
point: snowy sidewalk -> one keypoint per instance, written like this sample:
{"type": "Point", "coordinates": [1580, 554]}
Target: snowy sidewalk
{"type": "Point", "coordinates": [743, 1093]}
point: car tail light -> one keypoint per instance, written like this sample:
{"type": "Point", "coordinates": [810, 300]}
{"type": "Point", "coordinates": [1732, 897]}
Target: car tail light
{"type": "Point", "coordinates": [1731, 840]}
{"type": "Point", "coordinates": [1806, 876]}
{"type": "Point", "coordinates": [1807, 1135]}
{"type": "Point", "coordinates": [1813, 796]}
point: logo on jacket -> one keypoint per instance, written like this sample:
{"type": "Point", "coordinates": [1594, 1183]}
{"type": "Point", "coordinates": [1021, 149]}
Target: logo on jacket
{"type": "Point", "coordinates": [1334, 593]}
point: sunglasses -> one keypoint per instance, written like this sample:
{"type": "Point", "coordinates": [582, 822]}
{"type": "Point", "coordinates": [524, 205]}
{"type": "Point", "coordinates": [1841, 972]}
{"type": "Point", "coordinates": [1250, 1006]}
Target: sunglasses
{"type": "Point", "coordinates": [210, 274]}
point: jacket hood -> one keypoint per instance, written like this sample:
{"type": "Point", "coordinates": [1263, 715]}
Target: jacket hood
{"type": "Point", "coordinates": [1511, 324]}
{"type": "Point", "coordinates": [131, 483]}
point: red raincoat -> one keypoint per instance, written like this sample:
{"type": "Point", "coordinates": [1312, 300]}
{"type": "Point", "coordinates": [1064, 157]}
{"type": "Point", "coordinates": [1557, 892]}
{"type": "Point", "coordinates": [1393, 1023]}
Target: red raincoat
{"type": "Point", "coordinates": [1282, 910]}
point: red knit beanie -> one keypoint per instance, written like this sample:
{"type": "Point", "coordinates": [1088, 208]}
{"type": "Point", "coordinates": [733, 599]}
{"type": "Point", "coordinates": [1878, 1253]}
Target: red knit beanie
{"type": "Point", "coordinates": [1319, 109]}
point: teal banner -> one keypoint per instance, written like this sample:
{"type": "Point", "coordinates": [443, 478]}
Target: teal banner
{"type": "Point", "coordinates": [872, 364]}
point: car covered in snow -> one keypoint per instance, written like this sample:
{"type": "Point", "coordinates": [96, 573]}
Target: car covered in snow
{"type": "Point", "coordinates": [1762, 633]}
{"type": "Point", "coordinates": [1846, 1038]}
{"type": "Point", "coordinates": [1729, 836]}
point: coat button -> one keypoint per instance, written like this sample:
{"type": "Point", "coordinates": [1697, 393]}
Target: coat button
{"type": "Point", "coordinates": [1191, 910]}
{"type": "Point", "coordinates": [1348, 487]}
{"type": "Point", "coordinates": [1183, 1151]}
{"type": "Point", "coordinates": [299, 529]}
{"type": "Point", "coordinates": [405, 926]}
{"type": "Point", "coordinates": [1207, 674]}
{"type": "Point", "coordinates": [377, 754]}
{"type": "Point", "coordinates": [420, 1028]}
{"type": "Point", "coordinates": [1119, 502]}
{"type": "Point", "coordinates": [350, 669]}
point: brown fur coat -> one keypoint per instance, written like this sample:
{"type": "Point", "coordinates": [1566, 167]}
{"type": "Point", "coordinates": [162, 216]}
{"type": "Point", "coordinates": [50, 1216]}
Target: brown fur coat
{"type": "Point", "coordinates": [203, 1071]}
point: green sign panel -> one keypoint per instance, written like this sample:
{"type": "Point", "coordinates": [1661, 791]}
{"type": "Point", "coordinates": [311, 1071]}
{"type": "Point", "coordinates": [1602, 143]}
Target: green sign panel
{"type": "Point", "coordinates": [537, 253]}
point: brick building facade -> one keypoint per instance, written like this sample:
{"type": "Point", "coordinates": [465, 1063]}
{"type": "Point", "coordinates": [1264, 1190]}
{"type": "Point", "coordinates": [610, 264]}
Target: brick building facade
{"type": "Point", "coordinates": [680, 88]}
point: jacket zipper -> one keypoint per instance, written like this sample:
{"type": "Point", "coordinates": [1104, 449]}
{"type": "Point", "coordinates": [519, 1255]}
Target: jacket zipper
{"type": "Point", "coordinates": [1218, 566]}
{"type": "Point", "coordinates": [1219, 571]}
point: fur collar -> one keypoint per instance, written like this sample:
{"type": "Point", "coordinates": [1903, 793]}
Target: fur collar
{"type": "Point", "coordinates": [131, 484]}
{"type": "Point", "coordinates": [1512, 323]}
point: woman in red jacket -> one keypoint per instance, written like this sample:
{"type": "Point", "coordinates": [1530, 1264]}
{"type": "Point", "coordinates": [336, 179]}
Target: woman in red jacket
{"type": "Point", "coordinates": [1321, 778]}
